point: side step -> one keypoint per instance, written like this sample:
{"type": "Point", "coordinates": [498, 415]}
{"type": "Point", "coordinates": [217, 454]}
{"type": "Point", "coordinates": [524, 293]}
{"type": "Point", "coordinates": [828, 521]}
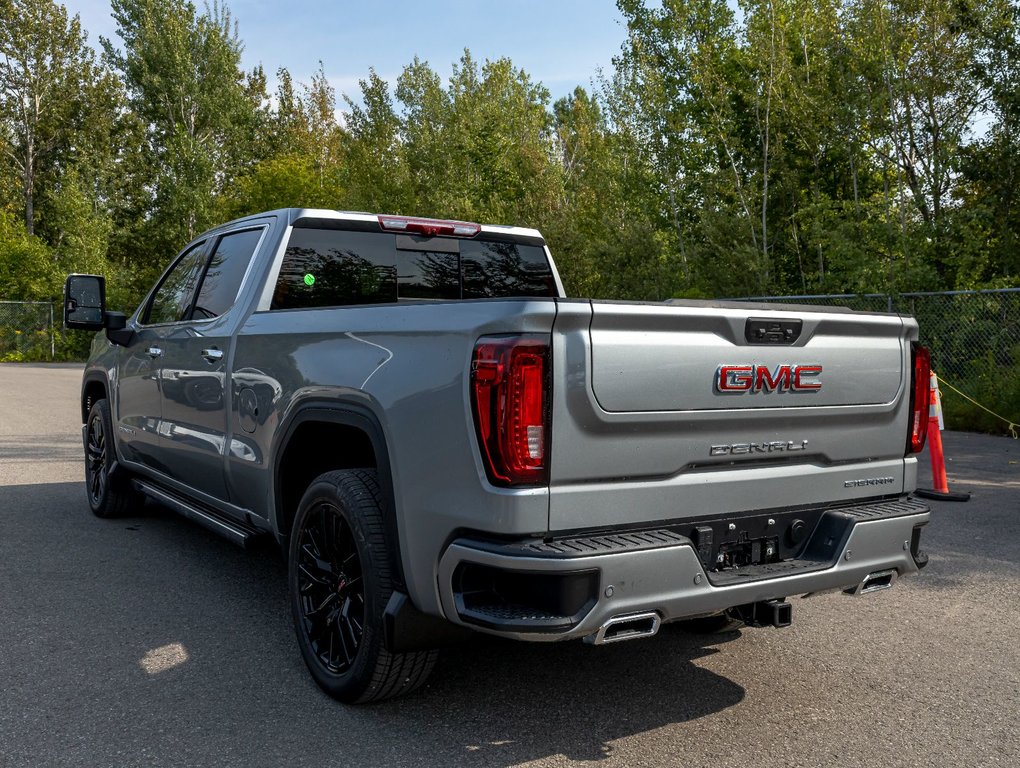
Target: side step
{"type": "Point", "coordinates": [229, 529]}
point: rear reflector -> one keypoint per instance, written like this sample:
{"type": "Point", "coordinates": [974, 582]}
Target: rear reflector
{"type": "Point", "coordinates": [429, 227]}
{"type": "Point", "coordinates": [920, 398]}
{"type": "Point", "coordinates": [510, 400]}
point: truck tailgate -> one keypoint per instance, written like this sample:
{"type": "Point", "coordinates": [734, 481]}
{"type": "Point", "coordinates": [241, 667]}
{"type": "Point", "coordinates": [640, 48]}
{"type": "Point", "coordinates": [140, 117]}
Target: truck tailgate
{"type": "Point", "coordinates": [664, 412]}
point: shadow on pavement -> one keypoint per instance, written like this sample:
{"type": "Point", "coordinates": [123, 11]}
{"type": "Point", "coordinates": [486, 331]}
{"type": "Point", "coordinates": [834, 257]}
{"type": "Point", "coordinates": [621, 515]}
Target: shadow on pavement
{"type": "Point", "coordinates": [89, 605]}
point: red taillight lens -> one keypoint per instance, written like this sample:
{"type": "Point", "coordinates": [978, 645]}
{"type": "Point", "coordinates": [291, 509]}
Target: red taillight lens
{"type": "Point", "coordinates": [920, 398]}
{"type": "Point", "coordinates": [510, 398]}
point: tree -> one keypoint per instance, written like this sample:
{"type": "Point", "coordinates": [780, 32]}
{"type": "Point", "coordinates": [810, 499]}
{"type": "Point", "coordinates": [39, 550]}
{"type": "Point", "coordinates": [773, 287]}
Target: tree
{"type": "Point", "coordinates": [603, 232]}
{"type": "Point", "coordinates": [480, 149]}
{"type": "Point", "coordinates": [916, 60]}
{"type": "Point", "coordinates": [988, 222]}
{"type": "Point", "coordinates": [53, 96]}
{"type": "Point", "coordinates": [375, 166]}
{"type": "Point", "coordinates": [26, 271]}
{"type": "Point", "coordinates": [183, 76]}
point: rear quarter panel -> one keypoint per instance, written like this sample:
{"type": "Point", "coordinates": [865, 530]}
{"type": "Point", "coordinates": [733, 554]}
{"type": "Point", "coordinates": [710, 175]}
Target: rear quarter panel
{"type": "Point", "coordinates": [409, 365]}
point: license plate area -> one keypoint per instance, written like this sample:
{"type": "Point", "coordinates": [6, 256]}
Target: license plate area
{"type": "Point", "coordinates": [734, 542]}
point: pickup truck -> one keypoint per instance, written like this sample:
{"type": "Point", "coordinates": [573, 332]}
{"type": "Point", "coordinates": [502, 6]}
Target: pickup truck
{"type": "Point", "coordinates": [443, 443]}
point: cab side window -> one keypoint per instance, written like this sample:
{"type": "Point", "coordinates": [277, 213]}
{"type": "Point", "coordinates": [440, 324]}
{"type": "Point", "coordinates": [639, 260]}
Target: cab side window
{"type": "Point", "coordinates": [172, 299]}
{"type": "Point", "coordinates": [226, 270]}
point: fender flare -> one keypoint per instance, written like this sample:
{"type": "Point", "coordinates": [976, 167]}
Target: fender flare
{"type": "Point", "coordinates": [346, 414]}
{"type": "Point", "coordinates": [96, 375]}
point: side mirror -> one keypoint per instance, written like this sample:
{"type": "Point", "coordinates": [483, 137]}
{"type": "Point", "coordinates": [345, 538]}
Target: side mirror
{"type": "Point", "coordinates": [85, 309]}
{"type": "Point", "coordinates": [85, 302]}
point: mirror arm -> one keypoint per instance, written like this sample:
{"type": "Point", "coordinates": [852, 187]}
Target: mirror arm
{"type": "Point", "coordinates": [116, 328]}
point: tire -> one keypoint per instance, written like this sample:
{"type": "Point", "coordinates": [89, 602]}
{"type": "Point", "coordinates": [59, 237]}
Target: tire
{"type": "Point", "coordinates": [340, 579]}
{"type": "Point", "coordinates": [110, 494]}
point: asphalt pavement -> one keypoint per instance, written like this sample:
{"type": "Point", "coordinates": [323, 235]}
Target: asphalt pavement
{"type": "Point", "coordinates": [147, 641]}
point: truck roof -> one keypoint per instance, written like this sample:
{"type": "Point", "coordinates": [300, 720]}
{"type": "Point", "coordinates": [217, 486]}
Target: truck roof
{"type": "Point", "coordinates": [293, 214]}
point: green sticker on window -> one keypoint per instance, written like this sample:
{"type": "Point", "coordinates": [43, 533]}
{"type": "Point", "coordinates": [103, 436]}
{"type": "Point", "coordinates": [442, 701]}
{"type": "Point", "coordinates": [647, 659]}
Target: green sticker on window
{"type": "Point", "coordinates": [309, 279]}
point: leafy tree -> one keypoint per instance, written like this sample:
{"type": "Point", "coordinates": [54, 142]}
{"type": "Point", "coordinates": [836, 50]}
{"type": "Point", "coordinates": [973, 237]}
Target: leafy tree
{"type": "Point", "coordinates": [26, 270]}
{"type": "Point", "coordinates": [479, 149]}
{"type": "Point", "coordinates": [603, 232]}
{"type": "Point", "coordinates": [987, 224]}
{"type": "Point", "coordinates": [54, 98]}
{"type": "Point", "coordinates": [374, 161]}
{"type": "Point", "coordinates": [183, 76]}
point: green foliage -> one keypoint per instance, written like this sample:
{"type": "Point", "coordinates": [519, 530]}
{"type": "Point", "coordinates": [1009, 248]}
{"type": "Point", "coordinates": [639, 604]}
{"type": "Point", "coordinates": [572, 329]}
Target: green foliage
{"type": "Point", "coordinates": [280, 182]}
{"type": "Point", "coordinates": [184, 83]}
{"type": "Point", "coordinates": [767, 146]}
{"type": "Point", "coordinates": [480, 148]}
{"type": "Point", "coordinates": [27, 271]}
{"type": "Point", "coordinates": [55, 102]}
{"type": "Point", "coordinates": [374, 158]}
{"type": "Point", "coordinates": [992, 384]}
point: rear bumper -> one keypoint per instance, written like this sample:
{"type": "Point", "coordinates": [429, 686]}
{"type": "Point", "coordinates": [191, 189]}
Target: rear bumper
{"type": "Point", "coordinates": [569, 588]}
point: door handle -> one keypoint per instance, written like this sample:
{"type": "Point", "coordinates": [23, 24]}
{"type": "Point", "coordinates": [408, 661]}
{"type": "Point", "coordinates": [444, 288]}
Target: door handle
{"type": "Point", "coordinates": [154, 352]}
{"type": "Point", "coordinates": [212, 355]}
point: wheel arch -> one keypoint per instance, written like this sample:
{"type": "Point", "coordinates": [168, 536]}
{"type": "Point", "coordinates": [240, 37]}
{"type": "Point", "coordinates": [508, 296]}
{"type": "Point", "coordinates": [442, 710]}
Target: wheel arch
{"type": "Point", "coordinates": [296, 463]}
{"type": "Point", "coordinates": [94, 386]}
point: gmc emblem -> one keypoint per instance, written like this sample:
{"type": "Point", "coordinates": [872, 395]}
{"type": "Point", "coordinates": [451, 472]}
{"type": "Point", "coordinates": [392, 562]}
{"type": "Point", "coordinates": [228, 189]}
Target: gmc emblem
{"type": "Point", "coordinates": [735, 379]}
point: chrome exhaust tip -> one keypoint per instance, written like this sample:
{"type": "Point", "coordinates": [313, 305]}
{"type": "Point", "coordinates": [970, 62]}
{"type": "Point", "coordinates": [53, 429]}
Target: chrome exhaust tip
{"type": "Point", "coordinates": [874, 582]}
{"type": "Point", "coordinates": [629, 627]}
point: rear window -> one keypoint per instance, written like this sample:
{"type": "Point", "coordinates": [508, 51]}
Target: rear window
{"type": "Point", "coordinates": [331, 267]}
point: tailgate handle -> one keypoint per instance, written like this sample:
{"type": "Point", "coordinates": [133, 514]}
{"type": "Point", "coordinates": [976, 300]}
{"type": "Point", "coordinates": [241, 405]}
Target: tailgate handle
{"type": "Point", "coordinates": [768, 330]}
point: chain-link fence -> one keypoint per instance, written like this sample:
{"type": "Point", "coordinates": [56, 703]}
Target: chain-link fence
{"type": "Point", "coordinates": [974, 338]}
{"type": "Point", "coordinates": [28, 330]}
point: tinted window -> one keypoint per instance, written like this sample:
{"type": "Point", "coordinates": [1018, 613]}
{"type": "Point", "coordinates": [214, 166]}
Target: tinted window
{"type": "Point", "coordinates": [428, 275]}
{"type": "Point", "coordinates": [173, 297]}
{"type": "Point", "coordinates": [223, 277]}
{"type": "Point", "coordinates": [505, 269]}
{"type": "Point", "coordinates": [329, 267]}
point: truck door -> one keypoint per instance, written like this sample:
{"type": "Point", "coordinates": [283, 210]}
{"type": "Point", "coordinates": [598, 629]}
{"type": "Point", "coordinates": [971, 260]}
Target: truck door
{"type": "Point", "coordinates": [139, 408]}
{"type": "Point", "coordinates": [194, 370]}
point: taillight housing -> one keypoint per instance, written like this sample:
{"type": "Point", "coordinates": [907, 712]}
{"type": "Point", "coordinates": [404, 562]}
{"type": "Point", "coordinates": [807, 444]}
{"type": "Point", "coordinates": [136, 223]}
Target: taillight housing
{"type": "Point", "coordinates": [429, 227]}
{"type": "Point", "coordinates": [920, 397]}
{"type": "Point", "coordinates": [510, 401]}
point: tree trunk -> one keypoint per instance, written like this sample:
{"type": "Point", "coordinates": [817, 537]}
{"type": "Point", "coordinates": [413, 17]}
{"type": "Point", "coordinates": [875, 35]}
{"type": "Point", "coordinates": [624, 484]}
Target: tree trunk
{"type": "Point", "coordinates": [28, 184]}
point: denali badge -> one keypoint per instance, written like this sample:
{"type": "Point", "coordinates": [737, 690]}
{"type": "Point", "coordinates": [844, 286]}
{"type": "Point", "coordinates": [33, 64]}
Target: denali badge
{"type": "Point", "coordinates": [758, 378]}
{"type": "Point", "coordinates": [868, 481]}
{"type": "Point", "coordinates": [740, 449]}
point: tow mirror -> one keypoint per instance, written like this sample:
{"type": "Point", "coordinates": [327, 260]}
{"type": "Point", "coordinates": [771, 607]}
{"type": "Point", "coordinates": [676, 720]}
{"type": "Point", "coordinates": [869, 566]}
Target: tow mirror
{"type": "Point", "coordinates": [85, 309]}
{"type": "Point", "coordinates": [85, 302]}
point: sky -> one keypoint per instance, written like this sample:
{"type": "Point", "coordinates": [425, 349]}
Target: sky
{"type": "Point", "coordinates": [560, 43]}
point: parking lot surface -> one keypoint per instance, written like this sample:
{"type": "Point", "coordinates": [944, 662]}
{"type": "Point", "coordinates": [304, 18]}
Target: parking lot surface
{"type": "Point", "coordinates": [148, 641]}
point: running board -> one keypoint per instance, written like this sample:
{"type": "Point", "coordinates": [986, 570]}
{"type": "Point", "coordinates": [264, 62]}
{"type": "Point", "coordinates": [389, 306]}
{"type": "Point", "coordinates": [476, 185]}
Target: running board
{"type": "Point", "coordinates": [228, 529]}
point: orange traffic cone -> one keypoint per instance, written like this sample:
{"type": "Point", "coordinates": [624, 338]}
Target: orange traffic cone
{"type": "Point", "coordinates": [938, 461]}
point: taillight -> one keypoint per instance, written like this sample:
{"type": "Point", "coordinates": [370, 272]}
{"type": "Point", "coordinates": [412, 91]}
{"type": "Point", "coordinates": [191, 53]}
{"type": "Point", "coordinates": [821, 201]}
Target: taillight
{"type": "Point", "coordinates": [920, 398]}
{"type": "Point", "coordinates": [429, 227]}
{"type": "Point", "coordinates": [510, 399]}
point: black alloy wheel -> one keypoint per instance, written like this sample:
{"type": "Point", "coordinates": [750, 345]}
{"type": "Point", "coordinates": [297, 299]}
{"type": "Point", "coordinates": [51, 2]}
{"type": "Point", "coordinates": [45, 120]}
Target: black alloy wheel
{"type": "Point", "coordinates": [95, 458]}
{"type": "Point", "coordinates": [331, 588]}
{"type": "Point", "coordinates": [108, 490]}
{"type": "Point", "coordinates": [341, 577]}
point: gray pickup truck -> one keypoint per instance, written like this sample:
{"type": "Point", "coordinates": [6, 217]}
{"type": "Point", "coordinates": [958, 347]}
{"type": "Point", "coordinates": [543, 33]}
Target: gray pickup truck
{"type": "Point", "coordinates": [442, 442]}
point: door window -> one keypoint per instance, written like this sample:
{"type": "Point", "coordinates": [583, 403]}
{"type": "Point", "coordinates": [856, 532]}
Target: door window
{"type": "Point", "coordinates": [172, 299]}
{"type": "Point", "coordinates": [226, 270]}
